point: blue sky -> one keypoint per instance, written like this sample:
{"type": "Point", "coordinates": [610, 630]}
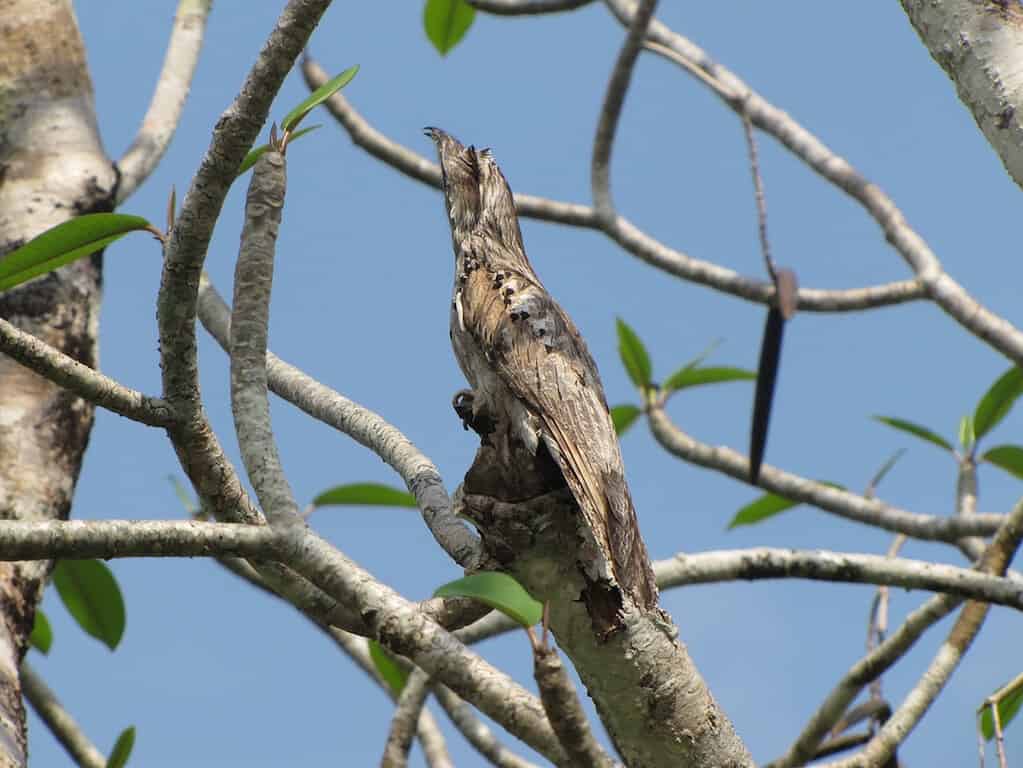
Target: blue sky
{"type": "Point", "coordinates": [213, 674]}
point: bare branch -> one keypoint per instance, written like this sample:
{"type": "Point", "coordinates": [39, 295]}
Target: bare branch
{"type": "Point", "coordinates": [614, 98]}
{"type": "Point", "coordinates": [476, 732]}
{"type": "Point", "coordinates": [621, 230]}
{"type": "Point", "coordinates": [895, 730]}
{"type": "Point", "coordinates": [526, 7]}
{"type": "Point", "coordinates": [403, 723]}
{"type": "Point", "coordinates": [769, 563]}
{"type": "Point", "coordinates": [60, 722]}
{"type": "Point", "coordinates": [363, 425]}
{"type": "Point", "coordinates": [164, 113]}
{"type": "Point", "coordinates": [851, 506]}
{"type": "Point", "coordinates": [564, 710]}
{"type": "Point", "coordinates": [935, 282]}
{"type": "Point", "coordinates": [90, 384]}
{"type": "Point", "coordinates": [250, 320]}
{"type": "Point", "coordinates": [860, 674]}
{"type": "Point", "coordinates": [80, 539]}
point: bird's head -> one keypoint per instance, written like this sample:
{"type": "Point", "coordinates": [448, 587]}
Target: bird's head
{"type": "Point", "coordinates": [460, 174]}
{"type": "Point", "coordinates": [497, 206]}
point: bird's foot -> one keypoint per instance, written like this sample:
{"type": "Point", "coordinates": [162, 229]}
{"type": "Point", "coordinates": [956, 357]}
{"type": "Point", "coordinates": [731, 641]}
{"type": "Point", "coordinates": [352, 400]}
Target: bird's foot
{"type": "Point", "coordinates": [472, 416]}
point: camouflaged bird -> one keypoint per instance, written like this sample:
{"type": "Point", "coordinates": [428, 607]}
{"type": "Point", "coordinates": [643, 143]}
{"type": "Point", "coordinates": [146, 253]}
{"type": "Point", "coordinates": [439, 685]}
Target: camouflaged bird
{"type": "Point", "coordinates": [532, 377]}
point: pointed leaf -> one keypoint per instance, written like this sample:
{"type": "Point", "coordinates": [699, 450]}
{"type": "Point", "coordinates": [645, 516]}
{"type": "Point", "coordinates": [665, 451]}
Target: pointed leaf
{"type": "Point", "coordinates": [997, 401]}
{"type": "Point", "coordinates": [64, 243]}
{"type": "Point", "coordinates": [365, 494]}
{"type": "Point", "coordinates": [1007, 457]}
{"type": "Point", "coordinates": [695, 377]}
{"type": "Point", "coordinates": [1009, 700]}
{"type": "Point", "coordinates": [89, 591]}
{"type": "Point", "coordinates": [392, 672]}
{"type": "Point", "coordinates": [498, 590]}
{"type": "Point", "coordinates": [967, 435]}
{"type": "Point", "coordinates": [885, 468]}
{"type": "Point", "coordinates": [446, 22]}
{"type": "Point", "coordinates": [623, 417]}
{"type": "Point", "coordinates": [768, 505]}
{"type": "Point", "coordinates": [42, 633]}
{"type": "Point", "coordinates": [916, 430]}
{"type": "Point", "coordinates": [122, 748]}
{"type": "Point", "coordinates": [761, 509]}
{"type": "Point", "coordinates": [317, 97]}
{"type": "Point", "coordinates": [634, 355]}
{"type": "Point", "coordinates": [258, 152]}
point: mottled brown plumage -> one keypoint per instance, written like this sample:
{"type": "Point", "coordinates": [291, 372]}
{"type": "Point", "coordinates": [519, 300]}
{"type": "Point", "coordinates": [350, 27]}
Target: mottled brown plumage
{"type": "Point", "coordinates": [530, 371]}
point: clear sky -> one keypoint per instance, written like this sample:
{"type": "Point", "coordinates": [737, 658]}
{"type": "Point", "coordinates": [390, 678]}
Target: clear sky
{"type": "Point", "coordinates": [213, 674]}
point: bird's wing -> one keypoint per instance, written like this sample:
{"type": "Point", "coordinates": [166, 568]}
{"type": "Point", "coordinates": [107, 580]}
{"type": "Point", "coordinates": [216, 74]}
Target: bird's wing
{"type": "Point", "coordinates": [537, 351]}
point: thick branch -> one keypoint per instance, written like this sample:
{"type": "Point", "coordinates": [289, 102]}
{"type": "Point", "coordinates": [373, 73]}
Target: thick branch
{"type": "Point", "coordinates": [161, 120]}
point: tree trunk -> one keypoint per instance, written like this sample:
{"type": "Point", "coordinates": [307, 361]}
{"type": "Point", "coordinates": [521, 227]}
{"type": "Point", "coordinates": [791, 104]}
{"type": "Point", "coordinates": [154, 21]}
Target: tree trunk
{"type": "Point", "coordinates": [52, 167]}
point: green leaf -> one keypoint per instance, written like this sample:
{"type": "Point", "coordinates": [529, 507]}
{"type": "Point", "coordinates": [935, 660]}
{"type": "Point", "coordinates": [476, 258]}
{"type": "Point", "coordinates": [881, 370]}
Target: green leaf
{"type": "Point", "coordinates": [390, 670]}
{"type": "Point", "coordinates": [884, 470]}
{"type": "Point", "coordinates": [446, 22]}
{"type": "Point", "coordinates": [760, 509]}
{"type": "Point", "coordinates": [122, 748]}
{"type": "Point", "coordinates": [997, 401]}
{"type": "Point", "coordinates": [1007, 457]}
{"type": "Point", "coordinates": [73, 239]}
{"type": "Point", "coordinates": [498, 590]}
{"type": "Point", "coordinates": [42, 633]}
{"type": "Point", "coordinates": [1009, 700]}
{"type": "Point", "coordinates": [967, 433]}
{"type": "Point", "coordinates": [365, 494]}
{"type": "Point", "coordinates": [695, 377]}
{"type": "Point", "coordinates": [916, 430]}
{"type": "Point", "coordinates": [623, 417]}
{"type": "Point", "coordinates": [317, 97]}
{"type": "Point", "coordinates": [258, 152]}
{"type": "Point", "coordinates": [768, 505]}
{"type": "Point", "coordinates": [634, 356]}
{"type": "Point", "coordinates": [91, 594]}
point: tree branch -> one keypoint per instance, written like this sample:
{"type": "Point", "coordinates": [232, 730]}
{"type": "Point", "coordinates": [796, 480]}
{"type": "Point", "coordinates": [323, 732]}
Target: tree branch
{"type": "Point", "coordinates": [768, 563]}
{"type": "Point", "coordinates": [403, 722]}
{"type": "Point", "coordinates": [614, 98]}
{"type": "Point", "coordinates": [250, 320]}
{"type": "Point", "coordinates": [632, 239]}
{"type": "Point", "coordinates": [476, 732]}
{"type": "Point", "coordinates": [851, 506]}
{"type": "Point", "coordinates": [365, 427]}
{"type": "Point", "coordinates": [161, 120]}
{"type": "Point", "coordinates": [60, 722]}
{"type": "Point", "coordinates": [526, 7]}
{"type": "Point", "coordinates": [85, 382]}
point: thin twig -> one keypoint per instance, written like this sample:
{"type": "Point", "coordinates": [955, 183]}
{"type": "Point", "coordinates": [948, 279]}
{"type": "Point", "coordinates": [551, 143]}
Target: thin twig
{"type": "Point", "coordinates": [476, 732]}
{"type": "Point", "coordinates": [164, 113]}
{"type": "Point", "coordinates": [758, 195]}
{"type": "Point", "coordinates": [526, 7]}
{"type": "Point", "coordinates": [614, 97]}
{"type": "Point", "coordinates": [60, 722]}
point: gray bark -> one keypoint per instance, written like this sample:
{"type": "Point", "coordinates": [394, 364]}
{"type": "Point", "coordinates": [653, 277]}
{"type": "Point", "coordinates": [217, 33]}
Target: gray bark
{"type": "Point", "coordinates": [52, 167]}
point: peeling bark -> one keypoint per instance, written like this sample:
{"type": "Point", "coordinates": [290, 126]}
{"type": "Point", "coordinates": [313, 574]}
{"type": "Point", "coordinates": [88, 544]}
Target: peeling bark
{"type": "Point", "coordinates": [52, 167]}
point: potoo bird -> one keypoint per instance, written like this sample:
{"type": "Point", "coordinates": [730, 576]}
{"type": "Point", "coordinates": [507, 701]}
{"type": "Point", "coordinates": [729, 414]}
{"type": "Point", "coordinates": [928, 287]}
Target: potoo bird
{"type": "Point", "coordinates": [532, 377]}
